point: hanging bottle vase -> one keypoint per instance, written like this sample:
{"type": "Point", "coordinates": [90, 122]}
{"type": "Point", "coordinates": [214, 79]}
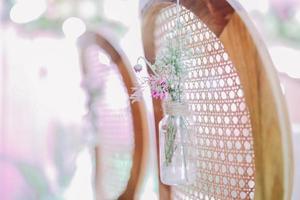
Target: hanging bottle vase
{"type": "Point", "coordinates": [176, 166]}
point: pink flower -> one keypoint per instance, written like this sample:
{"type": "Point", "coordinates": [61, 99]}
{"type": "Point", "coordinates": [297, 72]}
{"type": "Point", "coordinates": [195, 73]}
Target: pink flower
{"type": "Point", "coordinates": [159, 87]}
{"type": "Point", "coordinates": [137, 68]}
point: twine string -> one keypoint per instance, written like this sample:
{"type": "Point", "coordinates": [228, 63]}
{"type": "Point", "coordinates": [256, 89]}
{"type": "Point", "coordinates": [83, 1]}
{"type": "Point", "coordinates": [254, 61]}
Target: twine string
{"type": "Point", "coordinates": [175, 108]}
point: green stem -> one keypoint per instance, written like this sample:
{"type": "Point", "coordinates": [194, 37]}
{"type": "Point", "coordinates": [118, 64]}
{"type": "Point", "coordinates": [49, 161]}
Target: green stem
{"type": "Point", "coordinates": [170, 140]}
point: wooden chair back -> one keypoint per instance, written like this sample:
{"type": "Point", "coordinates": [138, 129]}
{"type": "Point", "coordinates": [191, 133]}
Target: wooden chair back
{"type": "Point", "coordinates": [242, 134]}
{"type": "Point", "coordinates": [123, 128]}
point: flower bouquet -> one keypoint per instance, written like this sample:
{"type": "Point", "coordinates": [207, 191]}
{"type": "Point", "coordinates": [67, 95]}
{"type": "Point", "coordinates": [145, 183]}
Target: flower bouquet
{"type": "Point", "coordinates": [166, 83]}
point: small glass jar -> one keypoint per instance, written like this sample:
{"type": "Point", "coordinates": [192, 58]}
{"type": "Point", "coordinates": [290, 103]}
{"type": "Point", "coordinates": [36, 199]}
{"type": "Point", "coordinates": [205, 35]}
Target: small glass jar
{"type": "Point", "coordinates": [176, 156]}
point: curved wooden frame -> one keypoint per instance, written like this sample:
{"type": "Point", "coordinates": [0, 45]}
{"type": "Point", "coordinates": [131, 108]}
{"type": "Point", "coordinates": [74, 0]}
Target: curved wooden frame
{"type": "Point", "coordinates": [270, 125]}
{"type": "Point", "coordinates": [138, 109]}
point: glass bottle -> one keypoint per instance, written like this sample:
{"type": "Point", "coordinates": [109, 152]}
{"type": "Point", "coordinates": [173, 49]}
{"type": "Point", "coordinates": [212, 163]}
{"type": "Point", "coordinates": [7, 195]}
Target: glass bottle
{"type": "Point", "coordinates": [176, 164]}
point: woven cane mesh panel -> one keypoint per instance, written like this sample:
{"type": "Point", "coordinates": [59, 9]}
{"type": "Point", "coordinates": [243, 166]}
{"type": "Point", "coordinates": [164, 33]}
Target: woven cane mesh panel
{"type": "Point", "coordinates": [115, 126]}
{"type": "Point", "coordinates": [223, 141]}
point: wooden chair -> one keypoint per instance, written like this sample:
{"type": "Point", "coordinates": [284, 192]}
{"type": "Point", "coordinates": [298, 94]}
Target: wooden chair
{"type": "Point", "coordinates": [242, 138]}
{"type": "Point", "coordinates": [123, 129]}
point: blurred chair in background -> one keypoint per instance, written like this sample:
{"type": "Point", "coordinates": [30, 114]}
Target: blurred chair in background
{"type": "Point", "coordinates": [121, 127]}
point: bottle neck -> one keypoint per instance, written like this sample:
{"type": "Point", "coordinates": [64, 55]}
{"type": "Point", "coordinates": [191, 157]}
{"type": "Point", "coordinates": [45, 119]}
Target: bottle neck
{"type": "Point", "coordinates": [175, 108]}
